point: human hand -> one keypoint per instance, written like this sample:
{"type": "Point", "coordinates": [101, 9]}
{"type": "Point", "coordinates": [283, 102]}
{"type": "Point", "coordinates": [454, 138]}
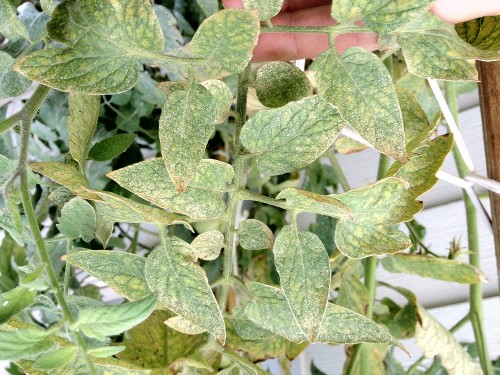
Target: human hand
{"type": "Point", "coordinates": [283, 46]}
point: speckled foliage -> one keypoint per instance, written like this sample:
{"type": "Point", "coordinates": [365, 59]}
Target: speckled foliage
{"type": "Point", "coordinates": [176, 173]}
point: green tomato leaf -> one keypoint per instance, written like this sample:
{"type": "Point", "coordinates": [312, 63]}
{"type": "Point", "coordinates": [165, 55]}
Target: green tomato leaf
{"type": "Point", "coordinates": [111, 147]}
{"type": "Point", "coordinates": [345, 11]}
{"type": "Point", "coordinates": [103, 40]}
{"type": "Point", "coordinates": [24, 343]}
{"type": "Point", "coordinates": [353, 294]}
{"type": "Point", "coordinates": [152, 344]}
{"type": "Point", "coordinates": [105, 351]}
{"type": "Point", "coordinates": [267, 8]}
{"type": "Point", "coordinates": [377, 209]}
{"type": "Point", "coordinates": [11, 83]}
{"type": "Point", "coordinates": [435, 340]}
{"type": "Point", "coordinates": [255, 235]}
{"type": "Point", "coordinates": [8, 223]}
{"type": "Point", "coordinates": [209, 7]}
{"type": "Point", "coordinates": [417, 126]}
{"type": "Point", "coordinates": [396, 13]}
{"type": "Point", "coordinates": [245, 328]}
{"type": "Point", "coordinates": [305, 201]}
{"type": "Point", "coordinates": [182, 286]}
{"type": "Point", "coordinates": [67, 176]}
{"type": "Point", "coordinates": [434, 268]}
{"type": "Point", "coordinates": [78, 220]}
{"type": "Point", "coordinates": [186, 124]}
{"type": "Point", "coordinates": [483, 33]}
{"type": "Point", "coordinates": [292, 137]}
{"type": "Point", "coordinates": [56, 359]}
{"type": "Point", "coordinates": [202, 199]}
{"type": "Point", "coordinates": [48, 6]}
{"type": "Point", "coordinates": [360, 86]}
{"type": "Point", "coordinates": [304, 268]}
{"type": "Point", "coordinates": [279, 83]}
{"type": "Point", "coordinates": [184, 326]}
{"type": "Point", "coordinates": [227, 39]}
{"type": "Point", "coordinates": [207, 246]}
{"type": "Point", "coordinates": [259, 349]}
{"type": "Point", "coordinates": [82, 123]}
{"type": "Point", "coordinates": [102, 321]}
{"type": "Point", "coordinates": [269, 310]}
{"type": "Point", "coordinates": [429, 40]}
{"type": "Point", "coordinates": [10, 26]}
{"type": "Point", "coordinates": [342, 326]}
{"type": "Point", "coordinates": [123, 272]}
{"type": "Point", "coordinates": [14, 301]}
{"type": "Point", "coordinates": [223, 98]}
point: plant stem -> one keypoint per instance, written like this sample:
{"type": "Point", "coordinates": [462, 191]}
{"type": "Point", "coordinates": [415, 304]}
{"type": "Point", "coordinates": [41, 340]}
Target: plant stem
{"type": "Point", "coordinates": [371, 279]}
{"type": "Point", "coordinates": [9, 122]}
{"type": "Point", "coordinates": [67, 268]}
{"type": "Point", "coordinates": [338, 170]}
{"type": "Point", "coordinates": [335, 29]}
{"type": "Point", "coordinates": [239, 166]}
{"type": "Point", "coordinates": [247, 195]}
{"type": "Point", "coordinates": [476, 296]}
{"type": "Point", "coordinates": [26, 119]}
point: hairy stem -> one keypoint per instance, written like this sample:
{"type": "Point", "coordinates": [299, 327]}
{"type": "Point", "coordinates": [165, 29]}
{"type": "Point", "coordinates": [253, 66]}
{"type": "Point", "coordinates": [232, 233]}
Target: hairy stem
{"type": "Point", "coordinates": [239, 166]}
{"type": "Point", "coordinates": [247, 195]}
{"type": "Point", "coordinates": [338, 170]}
{"type": "Point", "coordinates": [371, 280]}
{"type": "Point", "coordinates": [27, 114]}
{"type": "Point", "coordinates": [476, 296]}
{"type": "Point", "coordinates": [9, 122]}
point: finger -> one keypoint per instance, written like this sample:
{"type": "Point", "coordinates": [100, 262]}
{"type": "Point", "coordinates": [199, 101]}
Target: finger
{"type": "Point", "coordinates": [454, 11]}
{"type": "Point", "coordinates": [293, 46]}
{"type": "Point", "coordinates": [288, 6]}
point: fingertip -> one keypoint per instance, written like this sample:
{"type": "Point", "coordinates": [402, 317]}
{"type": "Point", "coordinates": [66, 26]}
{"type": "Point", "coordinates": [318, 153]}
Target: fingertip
{"type": "Point", "coordinates": [232, 4]}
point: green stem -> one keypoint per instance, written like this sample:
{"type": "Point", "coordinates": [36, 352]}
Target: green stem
{"type": "Point", "coordinates": [67, 267]}
{"type": "Point", "coordinates": [335, 29]}
{"type": "Point", "coordinates": [338, 170]}
{"type": "Point", "coordinates": [247, 195]}
{"type": "Point", "coordinates": [239, 168]}
{"type": "Point", "coordinates": [476, 296]}
{"type": "Point", "coordinates": [371, 279]}
{"type": "Point", "coordinates": [26, 118]}
{"type": "Point", "coordinates": [9, 122]}
{"type": "Point", "coordinates": [135, 240]}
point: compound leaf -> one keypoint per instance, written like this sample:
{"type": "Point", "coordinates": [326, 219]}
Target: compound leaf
{"type": "Point", "coordinates": [396, 13]}
{"type": "Point", "coordinates": [360, 86]}
{"type": "Point", "coordinates": [202, 199]}
{"type": "Point", "coordinates": [435, 340]}
{"type": "Point", "coordinates": [11, 83]}
{"type": "Point", "coordinates": [342, 326]}
{"type": "Point", "coordinates": [102, 321]}
{"type": "Point", "coordinates": [305, 201]}
{"type": "Point", "coordinates": [304, 268]}
{"type": "Point", "coordinates": [14, 301]}
{"type": "Point", "coordinates": [10, 25]}
{"type": "Point", "coordinates": [279, 83]}
{"type": "Point", "coordinates": [207, 246]}
{"type": "Point", "coordinates": [103, 39]}
{"type": "Point", "coordinates": [227, 39]}
{"type": "Point", "coordinates": [269, 310]}
{"type": "Point", "coordinates": [152, 344]}
{"type": "Point", "coordinates": [345, 11]}
{"type": "Point", "coordinates": [82, 123]}
{"type": "Point", "coordinates": [123, 272]}
{"type": "Point", "coordinates": [432, 267]}
{"type": "Point", "coordinates": [24, 343]}
{"type": "Point", "coordinates": [78, 220]}
{"type": "Point", "coordinates": [267, 8]}
{"type": "Point", "coordinates": [111, 147]}
{"type": "Point", "coordinates": [182, 286]}
{"type": "Point", "coordinates": [483, 33]}
{"type": "Point", "coordinates": [223, 98]}
{"type": "Point", "coordinates": [376, 210]}
{"type": "Point", "coordinates": [56, 359]}
{"type": "Point", "coordinates": [255, 235]}
{"type": "Point", "coordinates": [289, 138]}
{"type": "Point", "coordinates": [186, 124]}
